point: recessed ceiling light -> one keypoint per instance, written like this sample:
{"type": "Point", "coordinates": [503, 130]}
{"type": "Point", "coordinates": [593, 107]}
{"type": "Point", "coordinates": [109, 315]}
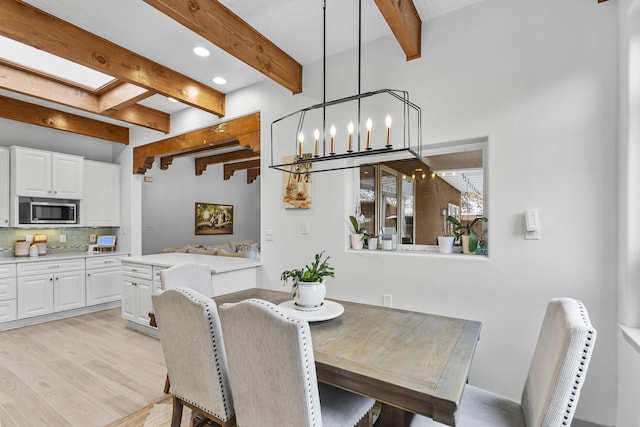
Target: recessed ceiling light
{"type": "Point", "coordinates": [219, 80]}
{"type": "Point", "coordinates": [172, 99]}
{"type": "Point", "coordinates": [201, 51]}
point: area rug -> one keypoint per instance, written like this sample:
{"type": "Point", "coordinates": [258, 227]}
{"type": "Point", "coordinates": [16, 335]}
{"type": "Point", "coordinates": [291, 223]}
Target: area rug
{"type": "Point", "coordinates": [156, 414]}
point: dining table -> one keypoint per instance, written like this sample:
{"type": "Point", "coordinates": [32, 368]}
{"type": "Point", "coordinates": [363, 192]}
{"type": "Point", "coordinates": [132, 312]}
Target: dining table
{"type": "Point", "coordinates": [410, 362]}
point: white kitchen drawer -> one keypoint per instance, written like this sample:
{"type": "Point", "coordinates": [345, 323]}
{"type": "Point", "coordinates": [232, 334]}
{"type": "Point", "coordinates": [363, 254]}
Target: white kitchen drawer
{"type": "Point", "coordinates": [7, 270]}
{"type": "Point", "coordinates": [7, 288]}
{"type": "Point", "coordinates": [103, 262]}
{"type": "Point", "coordinates": [41, 267]}
{"type": "Point", "coordinates": [8, 311]}
{"type": "Point", "coordinates": [141, 271]}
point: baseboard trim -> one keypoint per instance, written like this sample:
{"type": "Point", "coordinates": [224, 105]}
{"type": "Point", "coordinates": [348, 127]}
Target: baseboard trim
{"type": "Point", "coordinates": [13, 324]}
{"type": "Point", "coordinates": [581, 423]}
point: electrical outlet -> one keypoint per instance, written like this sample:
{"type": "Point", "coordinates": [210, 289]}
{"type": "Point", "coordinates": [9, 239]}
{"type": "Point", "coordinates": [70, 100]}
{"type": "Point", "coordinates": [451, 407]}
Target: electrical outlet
{"type": "Point", "coordinates": [386, 300]}
{"type": "Point", "coordinates": [92, 239]}
{"type": "Point", "coordinates": [268, 235]}
{"type": "Point", "coordinates": [63, 238]}
{"type": "Point", "coordinates": [29, 238]}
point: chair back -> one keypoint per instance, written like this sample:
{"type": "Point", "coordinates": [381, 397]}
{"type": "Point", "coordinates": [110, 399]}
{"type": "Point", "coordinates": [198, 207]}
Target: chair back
{"type": "Point", "coordinates": [191, 339]}
{"type": "Point", "coordinates": [271, 366]}
{"type": "Point", "coordinates": [188, 275]}
{"type": "Point", "coordinates": [559, 364]}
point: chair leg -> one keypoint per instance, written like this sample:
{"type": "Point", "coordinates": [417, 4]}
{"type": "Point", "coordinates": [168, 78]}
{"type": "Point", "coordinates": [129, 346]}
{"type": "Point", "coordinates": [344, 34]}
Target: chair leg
{"type": "Point", "coordinates": [176, 417]}
{"type": "Point", "coordinates": [167, 385]}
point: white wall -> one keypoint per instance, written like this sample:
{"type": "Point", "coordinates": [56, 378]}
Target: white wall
{"type": "Point", "coordinates": [540, 80]}
{"type": "Point", "coordinates": [168, 205]}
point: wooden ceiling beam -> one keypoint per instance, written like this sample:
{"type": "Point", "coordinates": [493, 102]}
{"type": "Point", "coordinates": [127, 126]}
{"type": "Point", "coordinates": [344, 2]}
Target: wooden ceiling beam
{"type": "Point", "coordinates": [405, 23]}
{"type": "Point", "coordinates": [17, 80]}
{"type": "Point", "coordinates": [122, 96]}
{"type": "Point", "coordinates": [230, 168]}
{"type": "Point", "coordinates": [34, 114]}
{"type": "Point", "coordinates": [27, 24]}
{"type": "Point", "coordinates": [203, 162]}
{"type": "Point", "coordinates": [241, 131]}
{"type": "Point", "coordinates": [216, 23]}
{"type": "Point", "coordinates": [252, 174]}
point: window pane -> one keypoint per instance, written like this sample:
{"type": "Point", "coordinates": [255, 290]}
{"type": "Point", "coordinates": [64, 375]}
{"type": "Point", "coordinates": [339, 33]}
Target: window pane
{"type": "Point", "coordinates": [368, 198]}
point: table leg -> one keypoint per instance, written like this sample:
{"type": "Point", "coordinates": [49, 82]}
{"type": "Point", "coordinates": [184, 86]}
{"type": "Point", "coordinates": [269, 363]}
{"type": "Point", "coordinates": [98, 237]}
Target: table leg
{"type": "Point", "coordinates": [390, 416]}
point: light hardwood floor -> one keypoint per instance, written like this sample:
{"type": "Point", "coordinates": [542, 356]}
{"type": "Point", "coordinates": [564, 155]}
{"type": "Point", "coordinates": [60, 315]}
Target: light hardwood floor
{"type": "Point", "coordinates": [84, 371]}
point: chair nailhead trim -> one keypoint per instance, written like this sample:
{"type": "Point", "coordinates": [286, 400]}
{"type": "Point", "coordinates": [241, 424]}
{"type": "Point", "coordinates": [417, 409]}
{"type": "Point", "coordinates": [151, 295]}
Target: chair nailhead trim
{"type": "Point", "coordinates": [585, 354]}
{"type": "Point", "coordinates": [228, 412]}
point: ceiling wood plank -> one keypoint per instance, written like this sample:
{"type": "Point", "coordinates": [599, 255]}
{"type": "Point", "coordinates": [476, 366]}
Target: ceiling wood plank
{"type": "Point", "coordinates": [29, 25]}
{"type": "Point", "coordinates": [216, 23]}
{"type": "Point", "coordinates": [230, 168]}
{"type": "Point", "coordinates": [203, 162]}
{"type": "Point", "coordinates": [405, 23]}
{"type": "Point", "coordinates": [252, 174]}
{"type": "Point", "coordinates": [20, 81]}
{"type": "Point", "coordinates": [225, 134]}
{"type": "Point", "coordinates": [26, 112]}
{"type": "Point", "coordinates": [122, 96]}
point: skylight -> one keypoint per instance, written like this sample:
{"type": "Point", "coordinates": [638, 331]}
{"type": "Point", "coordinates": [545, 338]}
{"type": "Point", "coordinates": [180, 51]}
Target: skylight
{"type": "Point", "coordinates": [37, 60]}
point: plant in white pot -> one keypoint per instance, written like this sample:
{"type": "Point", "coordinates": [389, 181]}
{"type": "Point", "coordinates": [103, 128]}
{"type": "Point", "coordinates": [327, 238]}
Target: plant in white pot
{"type": "Point", "coordinates": [465, 233]}
{"type": "Point", "coordinates": [308, 288]}
{"type": "Point", "coordinates": [359, 234]}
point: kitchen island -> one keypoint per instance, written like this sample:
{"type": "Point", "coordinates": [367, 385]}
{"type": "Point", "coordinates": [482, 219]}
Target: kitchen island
{"type": "Point", "coordinates": [141, 278]}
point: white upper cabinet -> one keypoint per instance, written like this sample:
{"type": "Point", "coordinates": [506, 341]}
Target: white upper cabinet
{"type": "Point", "coordinates": [4, 187]}
{"type": "Point", "coordinates": [39, 173]}
{"type": "Point", "coordinates": [101, 202]}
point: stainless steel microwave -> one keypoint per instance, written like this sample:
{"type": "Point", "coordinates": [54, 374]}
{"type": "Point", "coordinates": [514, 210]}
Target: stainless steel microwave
{"type": "Point", "coordinates": [47, 211]}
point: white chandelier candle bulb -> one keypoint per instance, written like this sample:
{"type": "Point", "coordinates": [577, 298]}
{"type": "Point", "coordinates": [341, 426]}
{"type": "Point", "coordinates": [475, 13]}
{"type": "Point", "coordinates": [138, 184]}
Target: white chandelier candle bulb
{"type": "Point", "coordinates": [300, 143]}
{"type": "Point", "coordinates": [369, 126]}
{"type": "Point", "coordinates": [333, 140]}
{"type": "Point", "coordinates": [387, 122]}
{"type": "Point", "coordinates": [350, 129]}
{"type": "Point", "coordinates": [316, 136]}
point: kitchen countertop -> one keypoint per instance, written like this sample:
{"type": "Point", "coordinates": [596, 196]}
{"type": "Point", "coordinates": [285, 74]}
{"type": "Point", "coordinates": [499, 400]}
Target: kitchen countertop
{"type": "Point", "coordinates": [217, 264]}
{"type": "Point", "coordinates": [58, 257]}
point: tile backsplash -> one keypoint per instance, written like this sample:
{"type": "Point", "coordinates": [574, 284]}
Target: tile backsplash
{"type": "Point", "coordinates": [77, 238]}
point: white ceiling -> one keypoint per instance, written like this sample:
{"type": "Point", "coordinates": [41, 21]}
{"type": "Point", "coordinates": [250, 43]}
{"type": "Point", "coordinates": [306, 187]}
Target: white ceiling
{"type": "Point", "coordinates": [294, 25]}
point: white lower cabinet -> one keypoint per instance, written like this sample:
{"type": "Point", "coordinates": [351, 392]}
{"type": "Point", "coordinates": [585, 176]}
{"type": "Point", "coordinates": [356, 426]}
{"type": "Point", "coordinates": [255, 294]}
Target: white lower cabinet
{"type": "Point", "coordinates": [47, 287]}
{"type": "Point", "coordinates": [104, 280]}
{"type": "Point", "coordinates": [137, 287]}
{"type": "Point", "coordinates": [8, 291]}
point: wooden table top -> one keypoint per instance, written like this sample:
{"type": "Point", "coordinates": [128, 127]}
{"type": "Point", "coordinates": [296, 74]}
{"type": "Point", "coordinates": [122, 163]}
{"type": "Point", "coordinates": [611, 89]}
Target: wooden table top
{"type": "Point", "coordinates": [413, 361]}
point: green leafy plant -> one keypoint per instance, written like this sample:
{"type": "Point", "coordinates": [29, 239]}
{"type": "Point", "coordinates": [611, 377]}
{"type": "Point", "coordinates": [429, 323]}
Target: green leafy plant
{"type": "Point", "coordinates": [460, 229]}
{"type": "Point", "coordinates": [316, 272]}
{"type": "Point", "coordinates": [355, 225]}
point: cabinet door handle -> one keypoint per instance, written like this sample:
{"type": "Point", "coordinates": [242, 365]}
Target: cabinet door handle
{"type": "Point", "coordinates": [51, 279]}
{"type": "Point", "coordinates": [88, 274]}
{"type": "Point", "coordinates": [53, 266]}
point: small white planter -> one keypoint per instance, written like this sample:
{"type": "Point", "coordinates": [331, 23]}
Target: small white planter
{"type": "Point", "coordinates": [445, 244]}
{"type": "Point", "coordinates": [310, 295]}
{"type": "Point", "coordinates": [356, 241]}
{"type": "Point", "coordinates": [372, 243]}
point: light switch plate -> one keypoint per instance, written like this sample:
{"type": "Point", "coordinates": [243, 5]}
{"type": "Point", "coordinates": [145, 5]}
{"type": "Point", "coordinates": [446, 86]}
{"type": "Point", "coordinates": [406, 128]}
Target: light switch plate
{"type": "Point", "coordinates": [63, 238]}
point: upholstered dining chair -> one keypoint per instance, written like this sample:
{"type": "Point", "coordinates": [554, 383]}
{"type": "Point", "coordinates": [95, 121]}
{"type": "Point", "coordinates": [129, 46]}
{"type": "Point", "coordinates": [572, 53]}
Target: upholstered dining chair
{"type": "Point", "coordinates": [191, 339]}
{"type": "Point", "coordinates": [555, 378]}
{"type": "Point", "coordinates": [273, 375]}
{"type": "Point", "coordinates": [188, 275]}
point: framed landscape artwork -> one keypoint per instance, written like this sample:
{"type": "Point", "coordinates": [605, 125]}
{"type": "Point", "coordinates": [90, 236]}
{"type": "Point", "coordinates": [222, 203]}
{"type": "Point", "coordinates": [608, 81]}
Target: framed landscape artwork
{"type": "Point", "coordinates": [213, 219]}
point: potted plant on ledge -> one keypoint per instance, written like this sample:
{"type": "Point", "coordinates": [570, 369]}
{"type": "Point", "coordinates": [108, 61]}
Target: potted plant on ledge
{"type": "Point", "coordinates": [361, 235]}
{"type": "Point", "coordinates": [465, 233]}
{"type": "Point", "coordinates": [308, 288]}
